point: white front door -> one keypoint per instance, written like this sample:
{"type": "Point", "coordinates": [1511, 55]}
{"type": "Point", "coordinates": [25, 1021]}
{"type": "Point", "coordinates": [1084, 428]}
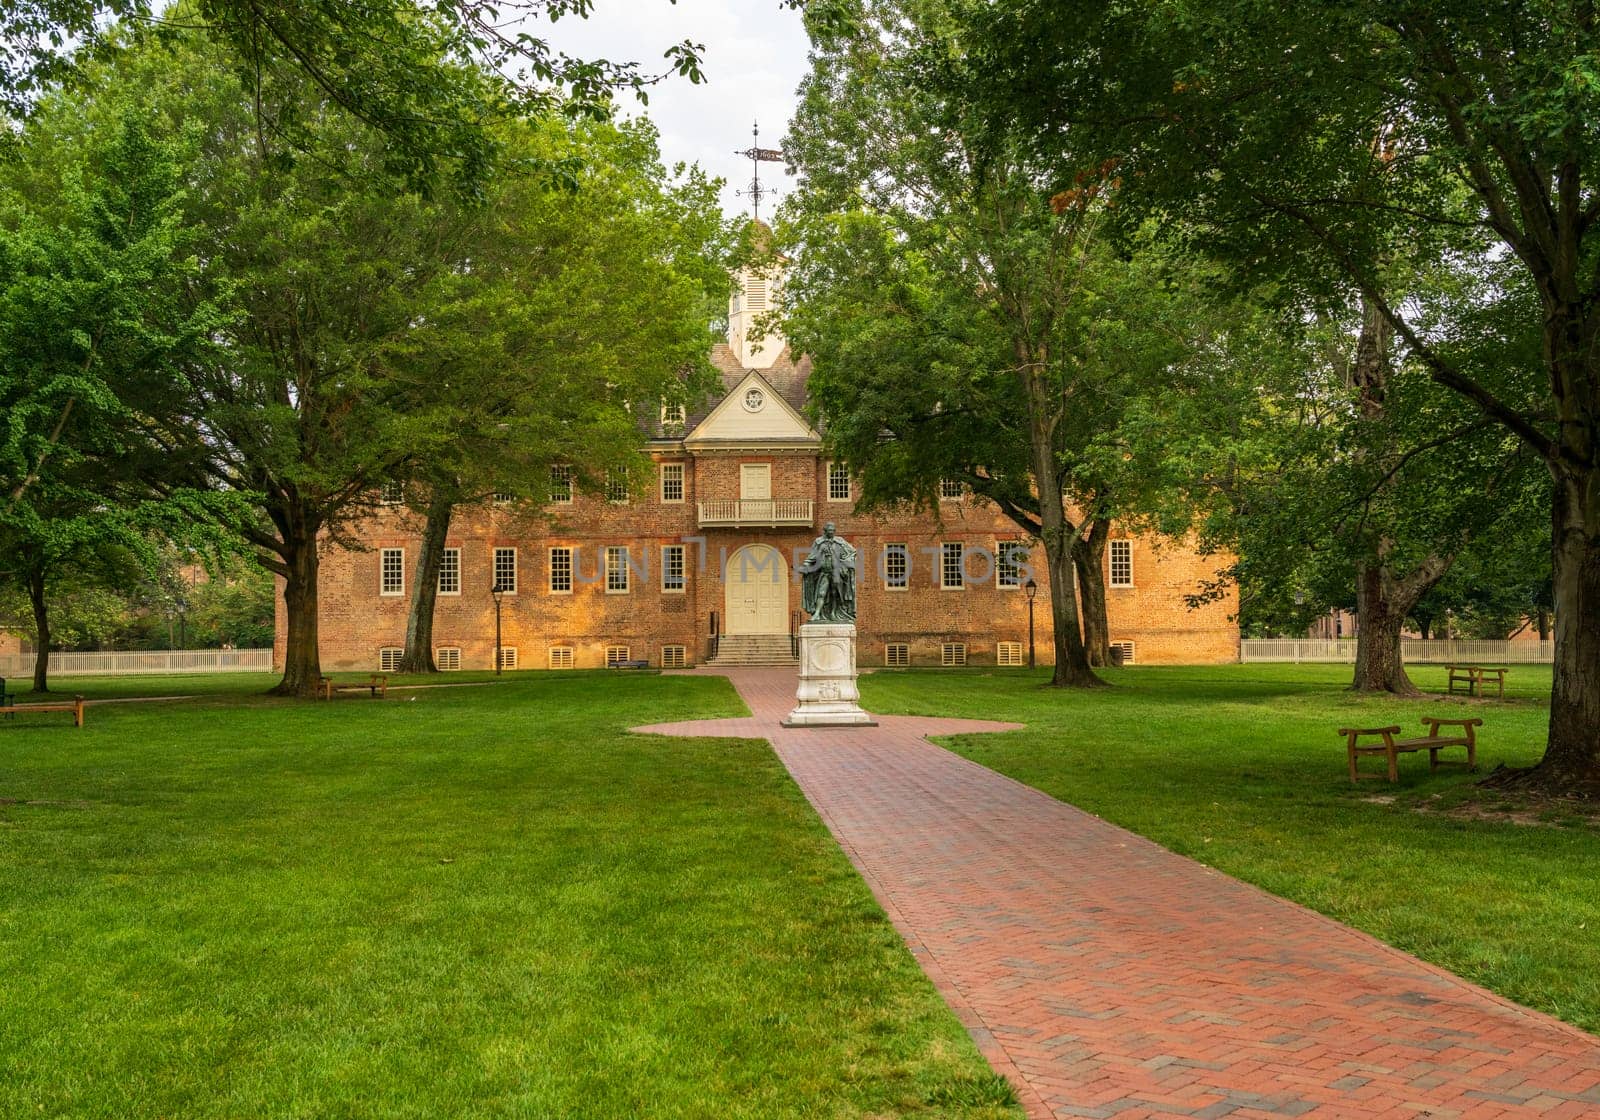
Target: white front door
{"type": "Point", "coordinates": [755, 481]}
{"type": "Point", "coordinates": [757, 591]}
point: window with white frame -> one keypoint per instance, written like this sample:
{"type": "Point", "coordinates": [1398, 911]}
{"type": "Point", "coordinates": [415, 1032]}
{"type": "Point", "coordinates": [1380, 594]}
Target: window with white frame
{"type": "Point", "coordinates": [561, 657]}
{"type": "Point", "coordinates": [616, 655]}
{"type": "Point", "coordinates": [952, 566]}
{"type": "Point", "coordinates": [617, 486]}
{"type": "Point", "coordinates": [1009, 556]}
{"type": "Point", "coordinates": [673, 415]}
{"type": "Point", "coordinates": [674, 657]}
{"type": "Point", "coordinates": [1121, 563]}
{"type": "Point", "coordinates": [389, 659]}
{"type": "Point", "coordinates": [1008, 653]}
{"type": "Point", "coordinates": [1125, 649]}
{"type": "Point", "coordinates": [673, 576]}
{"type": "Point", "coordinates": [560, 570]}
{"type": "Point", "coordinates": [505, 570]}
{"type": "Point", "coordinates": [953, 653]}
{"type": "Point", "coordinates": [450, 572]}
{"type": "Point", "coordinates": [896, 566]}
{"type": "Point", "coordinates": [447, 658]}
{"type": "Point", "coordinates": [508, 657]}
{"type": "Point", "coordinates": [504, 497]}
{"type": "Point", "coordinates": [561, 484]}
{"type": "Point", "coordinates": [392, 571]}
{"type": "Point", "coordinates": [616, 570]}
{"type": "Point", "coordinates": [897, 655]}
{"type": "Point", "coordinates": [838, 482]}
{"type": "Point", "coordinates": [392, 494]}
{"type": "Point", "coordinates": [950, 489]}
{"type": "Point", "coordinates": [672, 482]}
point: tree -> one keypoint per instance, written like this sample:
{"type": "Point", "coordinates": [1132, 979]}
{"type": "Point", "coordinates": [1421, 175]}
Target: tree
{"type": "Point", "coordinates": [410, 71]}
{"type": "Point", "coordinates": [1312, 144]}
{"type": "Point", "coordinates": [601, 297]}
{"type": "Point", "coordinates": [94, 332]}
{"type": "Point", "coordinates": [962, 323]}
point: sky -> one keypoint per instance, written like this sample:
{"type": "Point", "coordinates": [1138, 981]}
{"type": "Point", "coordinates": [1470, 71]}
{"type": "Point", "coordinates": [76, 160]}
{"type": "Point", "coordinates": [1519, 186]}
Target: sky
{"type": "Point", "coordinates": [754, 58]}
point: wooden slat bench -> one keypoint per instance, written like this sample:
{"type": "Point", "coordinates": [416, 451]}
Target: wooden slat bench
{"type": "Point", "coordinates": [1392, 748]}
{"type": "Point", "coordinates": [627, 664]}
{"type": "Point", "coordinates": [75, 706]}
{"type": "Point", "coordinates": [377, 684]}
{"type": "Point", "coordinates": [1477, 677]}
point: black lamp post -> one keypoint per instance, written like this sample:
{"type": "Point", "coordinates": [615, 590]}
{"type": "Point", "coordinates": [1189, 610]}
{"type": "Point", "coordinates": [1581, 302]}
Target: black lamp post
{"type": "Point", "coordinates": [497, 591]}
{"type": "Point", "coordinates": [1030, 589]}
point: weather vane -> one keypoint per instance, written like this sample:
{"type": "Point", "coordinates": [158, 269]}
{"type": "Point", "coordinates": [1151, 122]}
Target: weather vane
{"type": "Point", "coordinates": [757, 155]}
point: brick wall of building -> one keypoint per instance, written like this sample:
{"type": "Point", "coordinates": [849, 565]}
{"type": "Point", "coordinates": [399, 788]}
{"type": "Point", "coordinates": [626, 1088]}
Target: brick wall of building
{"type": "Point", "coordinates": [356, 621]}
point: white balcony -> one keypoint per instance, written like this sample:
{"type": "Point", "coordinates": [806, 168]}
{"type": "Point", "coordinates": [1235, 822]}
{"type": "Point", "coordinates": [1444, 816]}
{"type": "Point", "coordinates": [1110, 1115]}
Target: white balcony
{"type": "Point", "coordinates": [740, 513]}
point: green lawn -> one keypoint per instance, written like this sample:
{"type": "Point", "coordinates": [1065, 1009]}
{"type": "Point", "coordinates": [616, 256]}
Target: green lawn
{"type": "Point", "coordinates": [1240, 768]}
{"type": "Point", "coordinates": [480, 902]}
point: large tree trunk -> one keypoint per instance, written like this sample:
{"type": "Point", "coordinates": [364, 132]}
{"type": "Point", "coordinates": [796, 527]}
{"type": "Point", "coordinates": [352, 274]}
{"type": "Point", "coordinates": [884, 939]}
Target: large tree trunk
{"type": "Point", "coordinates": [1379, 665]}
{"type": "Point", "coordinates": [1088, 557]}
{"type": "Point", "coordinates": [418, 656]}
{"type": "Point", "coordinates": [1072, 661]}
{"type": "Point", "coordinates": [302, 664]}
{"type": "Point", "coordinates": [41, 630]}
{"type": "Point", "coordinates": [1571, 762]}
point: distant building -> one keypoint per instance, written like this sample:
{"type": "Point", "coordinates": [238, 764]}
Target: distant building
{"type": "Point", "coordinates": [704, 564]}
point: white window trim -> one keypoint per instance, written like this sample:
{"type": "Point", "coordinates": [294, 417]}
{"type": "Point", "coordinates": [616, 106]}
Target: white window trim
{"type": "Point", "coordinates": [627, 573]}
{"type": "Point", "coordinates": [999, 549]}
{"type": "Point", "coordinates": [438, 659]}
{"type": "Point", "coordinates": [550, 569]}
{"type": "Point", "coordinates": [888, 657]}
{"type": "Point", "coordinates": [560, 501]}
{"type": "Point", "coordinates": [401, 592]}
{"type": "Point", "coordinates": [949, 658]}
{"type": "Point", "coordinates": [571, 657]}
{"type": "Point", "coordinates": [679, 657]}
{"type": "Point", "coordinates": [626, 652]}
{"type": "Point", "coordinates": [962, 571]}
{"type": "Point", "coordinates": [506, 663]}
{"type": "Point", "coordinates": [397, 651]}
{"type": "Point", "coordinates": [457, 592]}
{"type": "Point", "coordinates": [905, 584]}
{"type": "Point", "coordinates": [961, 490]}
{"type": "Point", "coordinates": [827, 484]}
{"type": "Point", "coordinates": [683, 588]}
{"type": "Point", "coordinates": [516, 566]}
{"type": "Point", "coordinates": [1110, 579]}
{"type": "Point", "coordinates": [683, 485]}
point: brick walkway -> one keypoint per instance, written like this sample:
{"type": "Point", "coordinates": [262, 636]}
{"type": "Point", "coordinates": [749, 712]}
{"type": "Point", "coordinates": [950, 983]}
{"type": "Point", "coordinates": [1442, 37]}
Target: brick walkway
{"type": "Point", "coordinates": [1106, 976]}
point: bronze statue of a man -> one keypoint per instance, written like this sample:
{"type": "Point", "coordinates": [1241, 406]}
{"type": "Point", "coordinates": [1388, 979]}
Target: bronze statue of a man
{"type": "Point", "coordinates": [828, 579]}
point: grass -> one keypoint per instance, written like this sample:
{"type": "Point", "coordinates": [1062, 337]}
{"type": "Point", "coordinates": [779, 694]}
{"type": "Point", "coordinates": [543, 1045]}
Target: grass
{"type": "Point", "coordinates": [481, 902]}
{"type": "Point", "coordinates": [1239, 768]}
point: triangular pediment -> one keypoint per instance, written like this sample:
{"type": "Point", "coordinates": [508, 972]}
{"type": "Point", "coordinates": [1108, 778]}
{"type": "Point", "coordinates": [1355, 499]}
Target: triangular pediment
{"type": "Point", "coordinates": [753, 415]}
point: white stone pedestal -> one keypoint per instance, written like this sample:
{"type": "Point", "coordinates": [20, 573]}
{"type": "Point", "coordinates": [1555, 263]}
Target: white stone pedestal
{"type": "Point", "coordinates": [827, 696]}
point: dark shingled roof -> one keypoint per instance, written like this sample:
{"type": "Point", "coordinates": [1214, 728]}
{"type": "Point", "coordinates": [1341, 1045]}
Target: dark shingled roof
{"type": "Point", "coordinates": [785, 375]}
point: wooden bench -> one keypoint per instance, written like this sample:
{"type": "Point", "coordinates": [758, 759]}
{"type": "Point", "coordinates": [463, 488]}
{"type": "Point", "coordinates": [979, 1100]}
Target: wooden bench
{"type": "Point", "coordinates": [1475, 677]}
{"type": "Point", "coordinates": [75, 706]}
{"type": "Point", "coordinates": [6, 698]}
{"type": "Point", "coordinates": [377, 684]}
{"type": "Point", "coordinates": [1393, 748]}
{"type": "Point", "coordinates": [627, 664]}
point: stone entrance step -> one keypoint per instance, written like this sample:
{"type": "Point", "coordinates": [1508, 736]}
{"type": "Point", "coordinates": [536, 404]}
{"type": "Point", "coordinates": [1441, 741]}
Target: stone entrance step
{"type": "Point", "coordinates": [754, 649]}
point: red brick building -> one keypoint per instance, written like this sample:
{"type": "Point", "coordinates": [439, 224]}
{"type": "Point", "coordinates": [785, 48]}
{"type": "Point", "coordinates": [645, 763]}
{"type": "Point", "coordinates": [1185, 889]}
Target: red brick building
{"type": "Point", "coordinates": [705, 562]}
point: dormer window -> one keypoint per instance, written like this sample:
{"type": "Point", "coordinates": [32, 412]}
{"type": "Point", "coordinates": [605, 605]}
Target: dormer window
{"type": "Point", "coordinates": [754, 400]}
{"type": "Point", "coordinates": [673, 415]}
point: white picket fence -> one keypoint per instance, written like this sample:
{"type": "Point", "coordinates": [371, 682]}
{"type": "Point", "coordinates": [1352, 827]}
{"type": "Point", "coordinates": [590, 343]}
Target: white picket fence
{"type": "Point", "coordinates": [1414, 650]}
{"type": "Point", "coordinates": [131, 662]}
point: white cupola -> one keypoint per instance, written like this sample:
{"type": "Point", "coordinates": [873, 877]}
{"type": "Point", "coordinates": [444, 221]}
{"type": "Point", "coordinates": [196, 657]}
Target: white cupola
{"type": "Point", "coordinates": [749, 310]}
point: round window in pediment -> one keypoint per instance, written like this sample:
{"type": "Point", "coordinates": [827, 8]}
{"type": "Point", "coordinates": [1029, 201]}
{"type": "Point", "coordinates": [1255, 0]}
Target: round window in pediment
{"type": "Point", "coordinates": [754, 400]}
